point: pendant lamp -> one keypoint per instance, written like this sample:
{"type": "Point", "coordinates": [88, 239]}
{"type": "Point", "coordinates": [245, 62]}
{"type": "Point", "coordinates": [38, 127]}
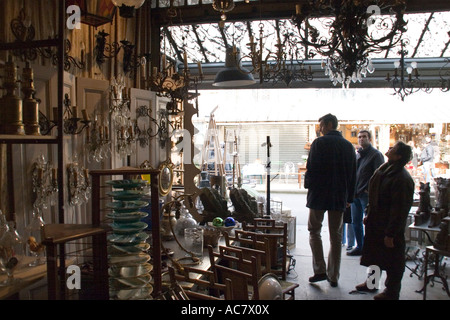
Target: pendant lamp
{"type": "Point", "coordinates": [232, 75]}
{"type": "Point", "coordinates": [127, 8]}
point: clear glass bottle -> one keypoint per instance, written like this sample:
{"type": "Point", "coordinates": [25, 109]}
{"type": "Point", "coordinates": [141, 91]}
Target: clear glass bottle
{"type": "Point", "coordinates": [11, 253]}
{"type": "Point", "coordinates": [185, 221]}
{"type": "Point", "coordinates": [34, 247]}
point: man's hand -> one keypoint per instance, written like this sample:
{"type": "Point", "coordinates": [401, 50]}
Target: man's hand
{"type": "Point", "coordinates": [389, 242]}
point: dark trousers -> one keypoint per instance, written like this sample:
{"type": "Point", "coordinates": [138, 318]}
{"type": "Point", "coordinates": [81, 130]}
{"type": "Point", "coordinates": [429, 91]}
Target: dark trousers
{"type": "Point", "coordinates": [394, 275]}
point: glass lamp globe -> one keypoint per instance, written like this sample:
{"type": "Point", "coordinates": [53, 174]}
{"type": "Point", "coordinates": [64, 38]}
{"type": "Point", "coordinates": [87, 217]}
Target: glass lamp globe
{"type": "Point", "coordinates": [127, 8]}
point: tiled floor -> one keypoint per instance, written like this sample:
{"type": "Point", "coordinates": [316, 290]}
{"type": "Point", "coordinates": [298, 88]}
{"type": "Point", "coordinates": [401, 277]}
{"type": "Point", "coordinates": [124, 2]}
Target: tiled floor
{"type": "Point", "coordinates": [352, 273]}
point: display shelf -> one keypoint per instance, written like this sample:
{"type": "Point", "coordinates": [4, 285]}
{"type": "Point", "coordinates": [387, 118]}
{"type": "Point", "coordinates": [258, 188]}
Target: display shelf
{"type": "Point", "coordinates": [18, 139]}
{"type": "Point", "coordinates": [155, 216]}
{"type": "Point", "coordinates": [55, 235]}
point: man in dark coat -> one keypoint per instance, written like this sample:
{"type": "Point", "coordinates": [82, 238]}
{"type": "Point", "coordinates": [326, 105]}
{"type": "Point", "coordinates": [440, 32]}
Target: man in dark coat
{"type": "Point", "coordinates": [391, 193]}
{"type": "Point", "coordinates": [368, 159]}
{"type": "Point", "coordinates": [330, 180]}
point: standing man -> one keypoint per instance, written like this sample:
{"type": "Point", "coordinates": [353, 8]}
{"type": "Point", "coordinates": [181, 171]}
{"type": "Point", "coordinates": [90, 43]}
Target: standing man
{"type": "Point", "coordinates": [368, 159]}
{"type": "Point", "coordinates": [427, 159]}
{"type": "Point", "coordinates": [330, 180]}
{"type": "Point", "coordinates": [391, 193]}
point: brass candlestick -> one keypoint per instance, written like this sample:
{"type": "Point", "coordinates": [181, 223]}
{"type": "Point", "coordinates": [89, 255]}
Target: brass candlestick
{"type": "Point", "coordinates": [30, 104]}
{"type": "Point", "coordinates": [10, 104]}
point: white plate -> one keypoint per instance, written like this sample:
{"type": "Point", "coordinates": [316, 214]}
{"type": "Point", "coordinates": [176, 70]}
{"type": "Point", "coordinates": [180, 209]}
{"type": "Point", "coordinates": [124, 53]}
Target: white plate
{"type": "Point", "coordinates": [134, 294]}
{"type": "Point", "coordinates": [130, 271]}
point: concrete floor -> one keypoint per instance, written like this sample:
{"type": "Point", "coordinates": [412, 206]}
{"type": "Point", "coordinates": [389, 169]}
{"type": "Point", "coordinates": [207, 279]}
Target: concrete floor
{"type": "Point", "coordinates": [352, 273]}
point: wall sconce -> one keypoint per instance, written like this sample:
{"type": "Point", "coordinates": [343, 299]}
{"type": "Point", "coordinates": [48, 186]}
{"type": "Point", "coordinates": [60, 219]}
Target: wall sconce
{"type": "Point", "coordinates": [144, 135]}
{"type": "Point", "coordinates": [71, 119]}
{"type": "Point", "coordinates": [24, 31]}
{"type": "Point", "coordinates": [104, 50]}
{"type": "Point", "coordinates": [79, 185]}
{"type": "Point", "coordinates": [131, 61]}
{"type": "Point", "coordinates": [44, 183]}
{"type": "Point", "coordinates": [98, 143]}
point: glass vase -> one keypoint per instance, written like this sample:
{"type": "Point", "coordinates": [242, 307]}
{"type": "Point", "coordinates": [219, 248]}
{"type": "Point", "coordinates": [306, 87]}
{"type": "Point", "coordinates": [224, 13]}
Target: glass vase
{"type": "Point", "coordinates": [34, 247]}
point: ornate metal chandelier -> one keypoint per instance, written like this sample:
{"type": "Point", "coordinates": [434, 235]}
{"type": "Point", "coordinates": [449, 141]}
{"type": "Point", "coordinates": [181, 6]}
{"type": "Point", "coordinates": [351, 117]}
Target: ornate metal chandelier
{"type": "Point", "coordinates": [406, 83]}
{"type": "Point", "coordinates": [354, 32]}
{"type": "Point", "coordinates": [282, 65]}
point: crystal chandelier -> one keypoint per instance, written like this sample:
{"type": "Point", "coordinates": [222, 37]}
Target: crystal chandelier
{"type": "Point", "coordinates": [354, 33]}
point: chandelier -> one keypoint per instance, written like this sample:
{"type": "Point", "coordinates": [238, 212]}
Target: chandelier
{"type": "Point", "coordinates": [282, 65]}
{"type": "Point", "coordinates": [169, 82]}
{"type": "Point", "coordinates": [406, 83]}
{"type": "Point", "coordinates": [354, 33]}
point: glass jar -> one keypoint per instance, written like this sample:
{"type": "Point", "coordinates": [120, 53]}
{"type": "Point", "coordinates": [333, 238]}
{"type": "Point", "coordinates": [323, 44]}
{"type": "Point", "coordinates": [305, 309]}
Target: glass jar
{"type": "Point", "coordinates": [11, 253]}
{"type": "Point", "coordinates": [34, 246]}
{"type": "Point", "coordinates": [185, 221]}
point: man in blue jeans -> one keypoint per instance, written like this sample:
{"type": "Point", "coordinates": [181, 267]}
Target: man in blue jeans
{"type": "Point", "coordinates": [368, 160]}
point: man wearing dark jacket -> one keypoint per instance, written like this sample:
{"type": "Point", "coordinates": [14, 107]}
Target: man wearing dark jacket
{"type": "Point", "coordinates": [368, 159]}
{"type": "Point", "coordinates": [330, 180]}
{"type": "Point", "coordinates": [391, 193]}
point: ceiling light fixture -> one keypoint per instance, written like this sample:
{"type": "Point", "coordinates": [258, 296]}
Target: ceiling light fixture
{"type": "Point", "coordinates": [233, 75]}
{"type": "Point", "coordinates": [354, 32]}
{"type": "Point", "coordinates": [127, 8]}
{"type": "Point", "coordinates": [223, 6]}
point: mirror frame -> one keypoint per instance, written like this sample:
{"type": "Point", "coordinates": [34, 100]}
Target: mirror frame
{"type": "Point", "coordinates": [165, 165]}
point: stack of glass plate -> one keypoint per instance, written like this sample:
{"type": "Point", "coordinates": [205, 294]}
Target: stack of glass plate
{"type": "Point", "coordinates": [129, 267]}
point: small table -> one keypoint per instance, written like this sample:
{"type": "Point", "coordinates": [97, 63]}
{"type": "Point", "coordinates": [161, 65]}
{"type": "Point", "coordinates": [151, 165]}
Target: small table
{"type": "Point", "coordinates": [436, 273]}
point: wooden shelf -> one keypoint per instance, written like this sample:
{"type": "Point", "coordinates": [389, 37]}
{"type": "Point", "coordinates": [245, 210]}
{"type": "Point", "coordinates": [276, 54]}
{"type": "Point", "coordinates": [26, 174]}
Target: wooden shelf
{"type": "Point", "coordinates": [15, 138]}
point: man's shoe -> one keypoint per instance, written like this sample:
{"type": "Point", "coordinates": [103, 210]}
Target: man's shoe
{"type": "Point", "coordinates": [334, 284]}
{"type": "Point", "coordinates": [363, 288]}
{"type": "Point", "coordinates": [355, 252]}
{"type": "Point", "coordinates": [349, 248]}
{"type": "Point", "coordinates": [318, 277]}
{"type": "Point", "coordinates": [385, 296]}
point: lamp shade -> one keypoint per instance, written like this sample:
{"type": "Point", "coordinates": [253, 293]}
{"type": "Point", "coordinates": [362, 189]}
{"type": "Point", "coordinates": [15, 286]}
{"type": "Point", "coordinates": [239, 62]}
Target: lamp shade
{"type": "Point", "coordinates": [127, 8]}
{"type": "Point", "coordinates": [232, 75]}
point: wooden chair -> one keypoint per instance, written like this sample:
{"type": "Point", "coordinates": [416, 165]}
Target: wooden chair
{"type": "Point", "coordinates": [277, 236]}
{"type": "Point", "coordinates": [229, 264]}
{"type": "Point", "coordinates": [191, 279]}
{"type": "Point", "coordinates": [263, 254]}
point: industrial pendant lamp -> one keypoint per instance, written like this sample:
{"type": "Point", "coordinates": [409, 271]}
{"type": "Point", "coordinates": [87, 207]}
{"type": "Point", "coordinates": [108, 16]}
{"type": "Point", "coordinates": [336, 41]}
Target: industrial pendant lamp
{"type": "Point", "coordinates": [127, 8]}
{"type": "Point", "coordinates": [232, 75]}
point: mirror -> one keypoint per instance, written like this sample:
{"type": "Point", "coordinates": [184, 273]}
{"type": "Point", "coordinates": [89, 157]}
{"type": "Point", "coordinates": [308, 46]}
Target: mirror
{"type": "Point", "coordinates": [165, 178]}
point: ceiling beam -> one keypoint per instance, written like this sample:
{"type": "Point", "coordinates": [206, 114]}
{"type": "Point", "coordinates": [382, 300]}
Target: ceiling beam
{"type": "Point", "coordinates": [268, 9]}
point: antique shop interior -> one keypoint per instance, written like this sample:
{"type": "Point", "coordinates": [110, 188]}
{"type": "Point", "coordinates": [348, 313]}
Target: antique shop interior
{"type": "Point", "coordinates": [156, 149]}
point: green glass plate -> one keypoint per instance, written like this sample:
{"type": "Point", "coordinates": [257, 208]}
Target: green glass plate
{"type": "Point", "coordinates": [126, 217]}
{"type": "Point", "coordinates": [127, 183]}
{"type": "Point", "coordinates": [126, 206]}
{"type": "Point", "coordinates": [127, 239]}
{"type": "Point", "coordinates": [128, 228]}
{"type": "Point", "coordinates": [126, 195]}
